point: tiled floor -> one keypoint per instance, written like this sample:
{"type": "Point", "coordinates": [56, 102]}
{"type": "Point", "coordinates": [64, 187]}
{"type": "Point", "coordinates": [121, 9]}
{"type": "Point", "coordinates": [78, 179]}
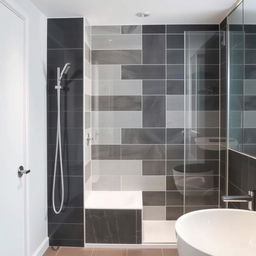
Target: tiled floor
{"type": "Point", "coordinates": [75, 251]}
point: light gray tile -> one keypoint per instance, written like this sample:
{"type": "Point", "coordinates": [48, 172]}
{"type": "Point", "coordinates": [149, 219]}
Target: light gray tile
{"type": "Point", "coordinates": [143, 136]}
{"type": "Point", "coordinates": [154, 111]}
{"type": "Point", "coordinates": [106, 72]}
{"type": "Point", "coordinates": [87, 69]}
{"type": "Point", "coordinates": [105, 152]}
{"type": "Point", "coordinates": [117, 87]}
{"type": "Point", "coordinates": [175, 119]}
{"type": "Point", "coordinates": [87, 120]}
{"type": "Point", "coordinates": [143, 183]}
{"type": "Point", "coordinates": [116, 57]}
{"type": "Point", "coordinates": [117, 167]}
{"type": "Point", "coordinates": [105, 30]}
{"type": "Point", "coordinates": [143, 72]}
{"type": "Point", "coordinates": [154, 213]}
{"type": "Point", "coordinates": [142, 152]}
{"type": "Point", "coordinates": [153, 167]}
{"type": "Point", "coordinates": [106, 183]}
{"type": "Point", "coordinates": [175, 102]}
{"type": "Point", "coordinates": [106, 136]}
{"type": "Point", "coordinates": [87, 171]}
{"type": "Point", "coordinates": [116, 119]}
{"type": "Point", "coordinates": [249, 119]}
{"type": "Point", "coordinates": [250, 86]}
{"type": "Point", "coordinates": [131, 29]}
{"type": "Point", "coordinates": [117, 42]}
{"type": "Point", "coordinates": [116, 103]}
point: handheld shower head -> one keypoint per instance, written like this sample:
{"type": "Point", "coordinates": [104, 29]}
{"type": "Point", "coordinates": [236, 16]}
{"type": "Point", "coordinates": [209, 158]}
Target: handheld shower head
{"type": "Point", "coordinates": [65, 70]}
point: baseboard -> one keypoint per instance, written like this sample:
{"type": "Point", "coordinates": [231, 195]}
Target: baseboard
{"type": "Point", "coordinates": [42, 248]}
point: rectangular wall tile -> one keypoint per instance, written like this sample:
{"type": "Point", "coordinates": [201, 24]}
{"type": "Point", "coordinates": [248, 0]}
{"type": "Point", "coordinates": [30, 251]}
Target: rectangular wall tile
{"type": "Point", "coordinates": [117, 167]}
{"type": "Point", "coordinates": [143, 72]}
{"type": "Point", "coordinates": [116, 57]}
{"type": "Point", "coordinates": [175, 103]}
{"type": "Point", "coordinates": [143, 136]}
{"type": "Point", "coordinates": [153, 49]}
{"type": "Point", "coordinates": [175, 71]}
{"type": "Point", "coordinates": [153, 29]}
{"type": "Point", "coordinates": [175, 41]}
{"type": "Point", "coordinates": [106, 72]}
{"type": "Point", "coordinates": [105, 152]}
{"type": "Point", "coordinates": [154, 213]}
{"type": "Point", "coordinates": [154, 87]}
{"type": "Point", "coordinates": [191, 27]}
{"type": "Point", "coordinates": [175, 57]}
{"type": "Point", "coordinates": [116, 103]}
{"type": "Point", "coordinates": [107, 136]}
{"type": "Point", "coordinates": [153, 111]}
{"type": "Point", "coordinates": [117, 42]}
{"type": "Point", "coordinates": [117, 87]}
{"type": "Point", "coordinates": [131, 29]}
{"type": "Point", "coordinates": [117, 119]}
{"type": "Point", "coordinates": [153, 198]}
{"type": "Point", "coordinates": [142, 152]}
{"type": "Point", "coordinates": [106, 30]}
{"type": "Point", "coordinates": [154, 167]}
{"type": "Point", "coordinates": [106, 183]}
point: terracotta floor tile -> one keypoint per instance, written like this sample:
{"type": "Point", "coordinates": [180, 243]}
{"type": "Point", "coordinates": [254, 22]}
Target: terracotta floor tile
{"type": "Point", "coordinates": [170, 252]}
{"type": "Point", "coordinates": [74, 251]}
{"type": "Point", "coordinates": [109, 252]}
{"type": "Point", "coordinates": [144, 252]}
{"type": "Point", "coordinates": [50, 252]}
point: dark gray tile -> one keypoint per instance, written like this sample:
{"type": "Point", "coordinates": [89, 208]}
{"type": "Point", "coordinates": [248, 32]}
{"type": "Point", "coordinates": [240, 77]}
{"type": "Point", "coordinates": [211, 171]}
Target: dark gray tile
{"type": "Point", "coordinates": [173, 213]}
{"type": "Point", "coordinates": [175, 152]}
{"type": "Point", "coordinates": [153, 29]}
{"type": "Point", "coordinates": [171, 165]}
{"type": "Point", "coordinates": [170, 183]}
{"type": "Point", "coordinates": [153, 198]}
{"type": "Point", "coordinates": [70, 152]}
{"type": "Point", "coordinates": [66, 242]}
{"type": "Point", "coordinates": [175, 72]}
{"type": "Point", "coordinates": [175, 41]}
{"type": "Point", "coordinates": [143, 72]}
{"type": "Point", "coordinates": [250, 41]}
{"type": "Point", "coordinates": [69, 135]}
{"type": "Point", "coordinates": [131, 29]}
{"type": "Point", "coordinates": [175, 87]}
{"type": "Point", "coordinates": [105, 152]}
{"type": "Point", "coordinates": [175, 136]}
{"type": "Point", "coordinates": [153, 87]}
{"type": "Point", "coordinates": [65, 33]}
{"type": "Point", "coordinates": [153, 167]}
{"type": "Point", "coordinates": [71, 103]}
{"type": "Point", "coordinates": [111, 226]}
{"type": "Point", "coordinates": [251, 174]}
{"type": "Point", "coordinates": [190, 27]}
{"type": "Point", "coordinates": [70, 87]}
{"type": "Point", "coordinates": [116, 57]}
{"type": "Point", "coordinates": [143, 136]}
{"type": "Point", "coordinates": [174, 198]}
{"type": "Point", "coordinates": [207, 197]}
{"type": "Point", "coordinates": [249, 135]}
{"type": "Point", "coordinates": [206, 72]}
{"type": "Point", "coordinates": [250, 103]}
{"type": "Point", "coordinates": [154, 111]}
{"type": "Point", "coordinates": [116, 103]}
{"type": "Point", "coordinates": [175, 56]}
{"type": "Point", "coordinates": [153, 49]}
{"type": "Point", "coordinates": [70, 167]}
{"type": "Point", "coordinates": [141, 152]}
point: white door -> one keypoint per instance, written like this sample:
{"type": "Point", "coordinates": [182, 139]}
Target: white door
{"type": "Point", "coordinates": [12, 133]}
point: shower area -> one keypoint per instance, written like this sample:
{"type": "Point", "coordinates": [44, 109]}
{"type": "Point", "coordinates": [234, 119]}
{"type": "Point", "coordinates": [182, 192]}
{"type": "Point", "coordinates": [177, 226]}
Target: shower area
{"type": "Point", "coordinates": [140, 126]}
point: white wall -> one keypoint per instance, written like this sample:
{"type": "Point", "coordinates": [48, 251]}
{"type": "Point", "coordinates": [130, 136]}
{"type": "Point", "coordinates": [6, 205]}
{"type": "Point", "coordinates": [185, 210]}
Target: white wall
{"type": "Point", "coordinates": [37, 136]}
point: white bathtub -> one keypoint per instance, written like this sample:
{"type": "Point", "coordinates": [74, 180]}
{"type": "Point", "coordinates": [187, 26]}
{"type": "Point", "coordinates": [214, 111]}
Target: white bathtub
{"type": "Point", "coordinates": [119, 200]}
{"type": "Point", "coordinates": [217, 232]}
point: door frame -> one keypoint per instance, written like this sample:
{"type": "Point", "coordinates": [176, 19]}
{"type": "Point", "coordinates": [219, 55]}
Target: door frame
{"type": "Point", "coordinates": [20, 13]}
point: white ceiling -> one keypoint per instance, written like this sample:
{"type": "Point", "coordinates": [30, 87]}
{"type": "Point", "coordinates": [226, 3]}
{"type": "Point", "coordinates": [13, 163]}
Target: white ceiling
{"type": "Point", "coordinates": [113, 12]}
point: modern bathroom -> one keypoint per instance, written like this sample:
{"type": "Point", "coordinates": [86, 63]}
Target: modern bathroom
{"type": "Point", "coordinates": [128, 128]}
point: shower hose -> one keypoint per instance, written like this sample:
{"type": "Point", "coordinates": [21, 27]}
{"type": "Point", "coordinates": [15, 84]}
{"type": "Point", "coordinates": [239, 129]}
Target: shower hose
{"type": "Point", "coordinates": [58, 150]}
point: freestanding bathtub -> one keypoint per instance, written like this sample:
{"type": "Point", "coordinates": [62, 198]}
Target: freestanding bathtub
{"type": "Point", "coordinates": [217, 232]}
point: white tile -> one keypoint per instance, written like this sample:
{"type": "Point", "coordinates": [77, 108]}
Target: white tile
{"type": "Point", "coordinates": [116, 42]}
{"type": "Point", "coordinates": [117, 119]}
{"type": "Point", "coordinates": [117, 167]}
{"type": "Point", "coordinates": [106, 72]}
{"type": "Point", "coordinates": [106, 183]}
{"type": "Point", "coordinates": [87, 86]}
{"type": "Point", "coordinates": [116, 87]}
{"type": "Point", "coordinates": [143, 183]}
{"type": "Point", "coordinates": [106, 136]}
{"type": "Point", "coordinates": [154, 212]}
{"type": "Point", "coordinates": [106, 30]}
{"type": "Point", "coordinates": [159, 232]}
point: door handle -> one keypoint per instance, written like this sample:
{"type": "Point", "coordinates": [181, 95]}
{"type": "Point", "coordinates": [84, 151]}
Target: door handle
{"type": "Point", "coordinates": [22, 171]}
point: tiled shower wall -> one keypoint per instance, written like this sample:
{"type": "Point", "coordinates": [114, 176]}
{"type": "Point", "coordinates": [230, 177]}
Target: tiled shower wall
{"type": "Point", "coordinates": [138, 113]}
{"type": "Point", "coordinates": [65, 44]}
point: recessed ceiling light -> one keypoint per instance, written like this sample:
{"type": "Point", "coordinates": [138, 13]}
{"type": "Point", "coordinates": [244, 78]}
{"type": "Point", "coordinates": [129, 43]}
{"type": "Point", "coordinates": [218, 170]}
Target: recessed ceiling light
{"type": "Point", "coordinates": [142, 14]}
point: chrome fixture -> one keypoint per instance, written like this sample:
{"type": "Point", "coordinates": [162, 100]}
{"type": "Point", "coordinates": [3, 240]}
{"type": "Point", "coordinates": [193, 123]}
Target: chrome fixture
{"type": "Point", "coordinates": [142, 14]}
{"type": "Point", "coordinates": [22, 171]}
{"type": "Point", "coordinates": [58, 87]}
{"type": "Point", "coordinates": [250, 199]}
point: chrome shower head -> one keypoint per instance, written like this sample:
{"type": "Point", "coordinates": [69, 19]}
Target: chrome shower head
{"type": "Point", "coordinates": [65, 70]}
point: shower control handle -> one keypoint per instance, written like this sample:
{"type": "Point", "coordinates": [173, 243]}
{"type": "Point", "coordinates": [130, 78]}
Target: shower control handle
{"type": "Point", "coordinates": [22, 171]}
